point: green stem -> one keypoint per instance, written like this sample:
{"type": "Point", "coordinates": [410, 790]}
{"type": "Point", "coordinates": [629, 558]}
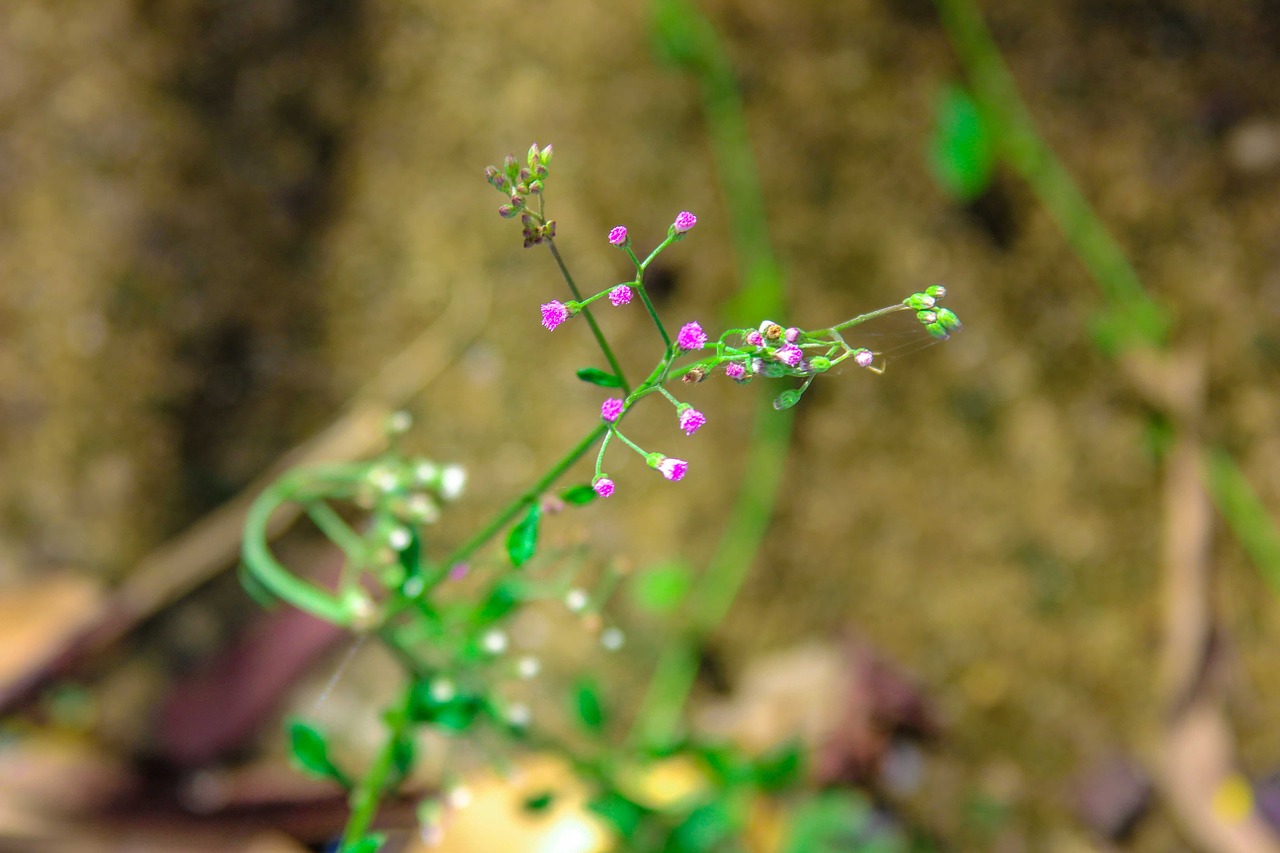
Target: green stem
{"type": "Point", "coordinates": [331, 525]}
{"type": "Point", "coordinates": [591, 320]}
{"type": "Point", "coordinates": [368, 793]}
{"type": "Point", "coordinates": [1135, 318]}
{"type": "Point", "coordinates": [653, 315]}
{"type": "Point", "coordinates": [513, 509]}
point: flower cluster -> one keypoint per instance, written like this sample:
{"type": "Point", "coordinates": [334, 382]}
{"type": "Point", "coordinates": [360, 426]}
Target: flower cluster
{"type": "Point", "coordinates": [518, 183]}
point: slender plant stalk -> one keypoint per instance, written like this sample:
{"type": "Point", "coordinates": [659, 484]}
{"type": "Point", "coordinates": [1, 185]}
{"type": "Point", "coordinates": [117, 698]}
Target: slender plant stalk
{"type": "Point", "coordinates": [591, 320]}
{"type": "Point", "coordinates": [368, 793]}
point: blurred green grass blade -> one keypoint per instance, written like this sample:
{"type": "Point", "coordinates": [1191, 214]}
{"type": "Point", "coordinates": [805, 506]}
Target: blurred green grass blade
{"type": "Point", "coordinates": [1244, 514]}
{"type": "Point", "coordinates": [962, 154]}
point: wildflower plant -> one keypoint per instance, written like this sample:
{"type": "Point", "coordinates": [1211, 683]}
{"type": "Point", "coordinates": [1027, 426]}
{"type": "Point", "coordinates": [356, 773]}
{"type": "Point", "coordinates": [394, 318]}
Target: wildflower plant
{"type": "Point", "coordinates": [447, 624]}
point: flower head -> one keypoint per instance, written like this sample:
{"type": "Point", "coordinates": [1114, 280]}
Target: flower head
{"type": "Point", "coordinates": [734, 370]}
{"type": "Point", "coordinates": [602, 486]}
{"type": "Point", "coordinates": [618, 235]}
{"type": "Point", "coordinates": [610, 409]}
{"type": "Point", "coordinates": [554, 313]}
{"type": "Point", "coordinates": [620, 295]}
{"type": "Point", "coordinates": [684, 222]}
{"type": "Point", "coordinates": [691, 337]}
{"type": "Point", "coordinates": [790, 355]}
{"type": "Point", "coordinates": [754, 339]}
{"type": "Point", "coordinates": [863, 358]}
{"type": "Point", "coordinates": [673, 469]}
{"type": "Point", "coordinates": [791, 334]}
{"type": "Point", "coordinates": [691, 420]}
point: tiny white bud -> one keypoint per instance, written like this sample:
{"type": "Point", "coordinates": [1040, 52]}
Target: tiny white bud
{"type": "Point", "coordinates": [423, 509]}
{"type": "Point", "coordinates": [414, 586]}
{"type": "Point", "coordinates": [452, 480]}
{"type": "Point", "coordinates": [612, 639]}
{"type": "Point", "coordinates": [576, 600]}
{"type": "Point", "coordinates": [399, 538]}
{"type": "Point", "coordinates": [518, 714]}
{"type": "Point", "coordinates": [442, 690]}
{"type": "Point", "coordinates": [426, 472]}
{"type": "Point", "coordinates": [528, 666]}
{"type": "Point", "coordinates": [459, 797]}
{"type": "Point", "coordinates": [494, 642]}
{"type": "Point", "coordinates": [399, 423]}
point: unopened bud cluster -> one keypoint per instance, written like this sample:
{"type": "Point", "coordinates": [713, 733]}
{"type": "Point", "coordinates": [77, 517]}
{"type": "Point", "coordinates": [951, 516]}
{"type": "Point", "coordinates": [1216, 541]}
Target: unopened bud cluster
{"type": "Point", "coordinates": [518, 183]}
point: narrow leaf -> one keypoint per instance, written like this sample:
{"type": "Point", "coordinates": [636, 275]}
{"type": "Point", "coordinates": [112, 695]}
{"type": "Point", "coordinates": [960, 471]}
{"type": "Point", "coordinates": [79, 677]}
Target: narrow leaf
{"type": "Point", "coordinates": [598, 377]}
{"type": "Point", "coordinates": [310, 750]}
{"type": "Point", "coordinates": [579, 495]}
{"type": "Point", "coordinates": [523, 540]}
{"type": "Point", "coordinates": [588, 705]}
{"type": "Point", "coordinates": [961, 153]}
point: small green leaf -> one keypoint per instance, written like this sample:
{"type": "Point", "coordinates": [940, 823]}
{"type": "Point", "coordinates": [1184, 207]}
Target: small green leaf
{"type": "Point", "coordinates": [579, 495]}
{"type": "Point", "coordinates": [704, 829]}
{"type": "Point", "coordinates": [504, 597]}
{"type": "Point", "coordinates": [411, 556]}
{"type": "Point", "coordinates": [623, 813]}
{"type": "Point", "coordinates": [310, 750]}
{"type": "Point", "coordinates": [598, 377]}
{"type": "Point", "coordinates": [403, 754]}
{"type": "Point", "coordinates": [540, 802]}
{"type": "Point", "coordinates": [786, 399]}
{"type": "Point", "coordinates": [523, 540]}
{"type": "Point", "coordinates": [587, 703]}
{"type": "Point", "coordinates": [368, 844]}
{"type": "Point", "coordinates": [961, 153]}
{"type": "Point", "coordinates": [779, 767]}
{"type": "Point", "coordinates": [661, 588]}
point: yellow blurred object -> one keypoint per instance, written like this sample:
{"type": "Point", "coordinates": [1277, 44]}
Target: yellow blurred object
{"type": "Point", "coordinates": [1233, 799]}
{"type": "Point", "coordinates": [492, 815]}
{"type": "Point", "coordinates": [663, 784]}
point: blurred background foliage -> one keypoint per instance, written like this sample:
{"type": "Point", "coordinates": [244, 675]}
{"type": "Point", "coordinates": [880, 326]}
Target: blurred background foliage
{"type": "Point", "coordinates": [219, 219]}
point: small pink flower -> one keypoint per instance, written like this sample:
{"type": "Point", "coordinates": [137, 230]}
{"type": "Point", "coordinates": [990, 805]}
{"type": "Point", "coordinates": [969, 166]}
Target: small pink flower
{"type": "Point", "coordinates": [684, 222]}
{"type": "Point", "coordinates": [618, 235]}
{"type": "Point", "coordinates": [673, 469]}
{"type": "Point", "coordinates": [620, 295]}
{"type": "Point", "coordinates": [602, 486]}
{"type": "Point", "coordinates": [734, 370]}
{"type": "Point", "coordinates": [791, 335]}
{"type": "Point", "coordinates": [755, 339]}
{"type": "Point", "coordinates": [458, 571]}
{"type": "Point", "coordinates": [691, 337]}
{"type": "Point", "coordinates": [790, 355]}
{"type": "Point", "coordinates": [553, 314]}
{"type": "Point", "coordinates": [863, 358]}
{"type": "Point", "coordinates": [610, 409]}
{"type": "Point", "coordinates": [691, 420]}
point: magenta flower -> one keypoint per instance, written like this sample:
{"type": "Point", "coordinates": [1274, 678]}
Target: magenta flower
{"type": "Point", "coordinates": [863, 358]}
{"type": "Point", "coordinates": [734, 370]}
{"type": "Point", "coordinates": [620, 295]}
{"type": "Point", "coordinates": [790, 355]}
{"type": "Point", "coordinates": [602, 486]}
{"type": "Point", "coordinates": [618, 235]}
{"type": "Point", "coordinates": [791, 334]}
{"type": "Point", "coordinates": [755, 339]}
{"type": "Point", "coordinates": [691, 420]}
{"type": "Point", "coordinates": [684, 222]}
{"type": "Point", "coordinates": [691, 337]}
{"type": "Point", "coordinates": [610, 409]}
{"type": "Point", "coordinates": [553, 314]}
{"type": "Point", "coordinates": [458, 571]}
{"type": "Point", "coordinates": [673, 469]}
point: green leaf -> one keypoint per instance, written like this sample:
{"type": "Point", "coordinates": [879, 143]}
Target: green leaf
{"type": "Point", "coordinates": [704, 829]}
{"type": "Point", "coordinates": [779, 767]}
{"type": "Point", "coordinates": [661, 588]}
{"type": "Point", "coordinates": [504, 597]}
{"type": "Point", "coordinates": [833, 822]}
{"type": "Point", "coordinates": [623, 813]}
{"type": "Point", "coordinates": [588, 705]}
{"type": "Point", "coordinates": [579, 495]}
{"type": "Point", "coordinates": [310, 750]}
{"type": "Point", "coordinates": [539, 802]}
{"type": "Point", "coordinates": [598, 377]}
{"type": "Point", "coordinates": [523, 539]}
{"type": "Point", "coordinates": [411, 557]}
{"type": "Point", "coordinates": [404, 752]}
{"type": "Point", "coordinates": [962, 153]}
{"type": "Point", "coordinates": [368, 844]}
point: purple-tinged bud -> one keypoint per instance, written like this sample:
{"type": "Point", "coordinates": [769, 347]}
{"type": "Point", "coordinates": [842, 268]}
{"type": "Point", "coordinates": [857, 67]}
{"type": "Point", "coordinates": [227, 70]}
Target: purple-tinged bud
{"type": "Point", "coordinates": [535, 186]}
{"type": "Point", "coordinates": [937, 291]}
{"type": "Point", "coordinates": [691, 337]}
{"type": "Point", "coordinates": [611, 409]}
{"type": "Point", "coordinates": [497, 180]}
{"type": "Point", "coordinates": [949, 320]}
{"type": "Point", "coordinates": [863, 357]}
{"type": "Point", "coordinates": [602, 486]}
{"type": "Point", "coordinates": [927, 317]}
{"type": "Point", "coordinates": [544, 157]}
{"type": "Point", "coordinates": [757, 365]}
{"type": "Point", "coordinates": [517, 202]}
{"type": "Point", "coordinates": [525, 176]}
{"type": "Point", "coordinates": [618, 235]}
{"type": "Point", "coordinates": [684, 222]}
{"type": "Point", "coordinates": [937, 330]}
{"type": "Point", "coordinates": [919, 301]}
{"type": "Point", "coordinates": [695, 374]}
{"type": "Point", "coordinates": [792, 334]}
{"type": "Point", "coordinates": [532, 159]}
{"type": "Point", "coordinates": [790, 355]}
{"type": "Point", "coordinates": [673, 469]}
{"type": "Point", "coordinates": [755, 339]}
{"type": "Point", "coordinates": [507, 211]}
{"type": "Point", "coordinates": [620, 295]}
{"type": "Point", "coordinates": [691, 420]}
{"type": "Point", "coordinates": [509, 166]}
{"type": "Point", "coordinates": [735, 371]}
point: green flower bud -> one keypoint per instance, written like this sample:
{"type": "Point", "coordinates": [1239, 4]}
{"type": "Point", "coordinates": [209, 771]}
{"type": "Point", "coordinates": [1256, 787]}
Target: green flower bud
{"type": "Point", "coordinates": [507, 211]}
{"type": "Point", "coordinates": [786, 399]}
{"type": "Point", "coordinates": [919, 301]}
{"type": "Point", "coordinates": [937, 291]}
{"type": "Point", "coordinates": [948, 320]}
{"type": "Point", "coordinates": [544, 157]}
{"type": "Point", "coordinates": [534, 155]}
{"type": "Point", "coordinates": [510, 168]}
{"type": "Point", "coordinates": [938, 331]}
{"type": "Point", "coordinates": [927, 317]}
{"type": "Point", "coordinates": [820, 364]}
